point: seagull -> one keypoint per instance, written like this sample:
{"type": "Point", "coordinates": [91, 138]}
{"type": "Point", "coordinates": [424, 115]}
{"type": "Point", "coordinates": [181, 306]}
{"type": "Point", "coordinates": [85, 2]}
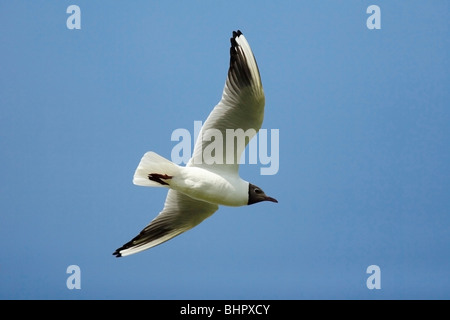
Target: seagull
{"type": "Point", "coordinates": [197, 190]}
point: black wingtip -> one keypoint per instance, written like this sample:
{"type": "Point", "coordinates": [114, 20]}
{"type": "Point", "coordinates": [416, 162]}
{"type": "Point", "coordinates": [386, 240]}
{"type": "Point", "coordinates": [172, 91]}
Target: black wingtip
{"type": "Point", "coordinates": [233, 40]}
{"type": "Point", "coordinates": [117, 254]}
{"type": "Point", "coordinates": [239, 74]}
{"type": "Point", "coordinates": [237, 33]}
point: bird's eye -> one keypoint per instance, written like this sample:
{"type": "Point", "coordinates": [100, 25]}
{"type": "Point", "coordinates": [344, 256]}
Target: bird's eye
{"type": "Point", "coordinates": [258, 190]}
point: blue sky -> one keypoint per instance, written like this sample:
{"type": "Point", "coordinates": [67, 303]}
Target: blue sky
{"type": "Point", "coordinates": [364, 124]}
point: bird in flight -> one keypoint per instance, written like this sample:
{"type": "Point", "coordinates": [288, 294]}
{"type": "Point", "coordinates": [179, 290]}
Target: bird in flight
{"type": "Point", "coordinates": [208, 179]}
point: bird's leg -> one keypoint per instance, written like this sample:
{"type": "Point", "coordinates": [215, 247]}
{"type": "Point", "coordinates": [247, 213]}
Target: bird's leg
{"type": "Point", "coordinates": [158, 178]}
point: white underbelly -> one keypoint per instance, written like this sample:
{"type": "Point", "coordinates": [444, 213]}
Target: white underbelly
{"type": "Point", "coordinates": [207, 186]}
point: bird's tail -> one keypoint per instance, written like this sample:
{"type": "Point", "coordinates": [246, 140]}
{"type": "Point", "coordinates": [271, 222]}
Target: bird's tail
{"type": "Point", "coordinates": [155, 171]}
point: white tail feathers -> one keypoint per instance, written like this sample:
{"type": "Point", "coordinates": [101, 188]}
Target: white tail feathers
{"type": "Point", "coordinates": [152, 163]}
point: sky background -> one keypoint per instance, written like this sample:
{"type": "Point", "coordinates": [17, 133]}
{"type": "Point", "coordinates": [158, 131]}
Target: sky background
{"type": "Point", "coordinates": [364, 124]}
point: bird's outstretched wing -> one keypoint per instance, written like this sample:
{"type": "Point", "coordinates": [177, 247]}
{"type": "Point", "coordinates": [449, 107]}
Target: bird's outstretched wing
{"type": "Point", "coordinates": [180, 214]}
{"type": "Point", "coordinates": [240, 111]}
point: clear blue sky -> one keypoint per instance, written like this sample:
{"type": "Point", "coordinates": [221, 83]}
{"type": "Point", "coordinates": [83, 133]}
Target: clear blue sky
{"type": "Point", "coordinates": [364, 123]}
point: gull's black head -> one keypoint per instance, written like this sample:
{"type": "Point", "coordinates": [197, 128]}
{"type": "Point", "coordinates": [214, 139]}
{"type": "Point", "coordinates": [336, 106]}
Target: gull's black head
{"type": "Point", "coordinates": [255, 194]}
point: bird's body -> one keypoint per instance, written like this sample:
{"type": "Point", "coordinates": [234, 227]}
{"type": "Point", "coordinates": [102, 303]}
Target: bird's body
{"type": "Point", "coordinates": [207, 181]}
{"type": "Point", "coordinates": [196, 182]}
{"type": "Point", "coordinates": [205, 185]}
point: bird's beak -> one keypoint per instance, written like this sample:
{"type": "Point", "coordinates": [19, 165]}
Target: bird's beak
{"type": "Point", "coordinates": [270, 199]}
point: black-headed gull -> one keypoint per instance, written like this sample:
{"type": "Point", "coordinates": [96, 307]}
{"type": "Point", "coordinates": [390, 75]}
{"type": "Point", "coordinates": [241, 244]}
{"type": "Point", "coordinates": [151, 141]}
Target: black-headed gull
{"type": "Point", "coordinates": [208, 180]}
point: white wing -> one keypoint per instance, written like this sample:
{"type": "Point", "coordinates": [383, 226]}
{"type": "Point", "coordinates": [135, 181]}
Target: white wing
{"type": "Point", "coordinates": [180, 214]}
{"type": "Point", "coordinates": [241, 107]}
